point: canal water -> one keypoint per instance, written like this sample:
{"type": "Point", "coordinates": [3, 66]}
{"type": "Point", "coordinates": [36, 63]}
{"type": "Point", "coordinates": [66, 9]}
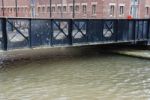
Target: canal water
{"type": "Point", "coordinates": [84, 75]}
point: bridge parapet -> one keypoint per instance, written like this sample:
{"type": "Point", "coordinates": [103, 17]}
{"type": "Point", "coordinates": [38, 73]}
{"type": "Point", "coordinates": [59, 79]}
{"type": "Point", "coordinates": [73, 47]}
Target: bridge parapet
{"type": "Point", "coordinates": [25, 32]}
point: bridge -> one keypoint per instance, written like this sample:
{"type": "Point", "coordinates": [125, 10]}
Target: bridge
{"type": "Point", "coordinates": [16, 33]}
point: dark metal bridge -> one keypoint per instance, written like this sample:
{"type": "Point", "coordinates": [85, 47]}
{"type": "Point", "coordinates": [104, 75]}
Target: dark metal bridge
{"type": "Point", "coordinates": [25, 32]}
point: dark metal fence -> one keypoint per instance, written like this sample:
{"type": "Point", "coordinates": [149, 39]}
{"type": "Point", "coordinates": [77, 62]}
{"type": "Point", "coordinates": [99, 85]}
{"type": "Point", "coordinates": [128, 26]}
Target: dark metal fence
{"type": "Point", "coordinates": [0, 33]}
{"type": "Point", "coordinates": [22, 33]}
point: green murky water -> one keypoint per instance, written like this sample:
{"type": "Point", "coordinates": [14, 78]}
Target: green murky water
{"type": "Point", "coordinates": [86, 77]}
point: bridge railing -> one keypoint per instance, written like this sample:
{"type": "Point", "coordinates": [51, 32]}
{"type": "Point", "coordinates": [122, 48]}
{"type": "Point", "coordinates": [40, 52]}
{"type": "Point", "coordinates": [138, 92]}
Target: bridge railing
{"type": "Point", "coordinates": [23, 32]}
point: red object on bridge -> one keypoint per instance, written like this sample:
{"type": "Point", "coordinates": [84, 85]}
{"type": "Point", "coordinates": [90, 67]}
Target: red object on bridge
{"type": "Point", "coordinates": [129, 17]}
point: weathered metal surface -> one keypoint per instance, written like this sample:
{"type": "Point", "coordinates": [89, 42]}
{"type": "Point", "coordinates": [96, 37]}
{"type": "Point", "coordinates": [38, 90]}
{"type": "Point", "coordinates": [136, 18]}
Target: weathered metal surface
{"type": "Point", "coordinates": [25, 32]}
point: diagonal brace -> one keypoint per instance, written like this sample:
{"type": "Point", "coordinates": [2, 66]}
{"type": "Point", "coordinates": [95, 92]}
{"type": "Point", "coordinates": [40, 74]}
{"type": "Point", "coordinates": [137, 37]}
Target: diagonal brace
{"type": "Point", "coordinates": [60, 29]}
{"type": "Point", "coordinates": [109, 27]}
{"type": "Point", "coordinates": [79, 29]}
{"type": "Point", "coordinates": [17, 30]}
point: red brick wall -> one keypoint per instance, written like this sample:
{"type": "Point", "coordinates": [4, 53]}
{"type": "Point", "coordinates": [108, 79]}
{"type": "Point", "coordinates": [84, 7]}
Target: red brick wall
{"type": "Point", "coordinates": [68, 13]}
{"type": "Point", "coordinates": [117, 4]}
{"type": "Point", "coordinates": [10, 8]}
{"type": "Point", "coordinates": [24, 8]}
{"type": "Point", "coordinates": [102, 8]}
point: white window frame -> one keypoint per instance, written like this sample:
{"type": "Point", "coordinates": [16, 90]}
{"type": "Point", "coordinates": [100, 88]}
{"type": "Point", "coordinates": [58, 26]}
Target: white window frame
{"type": "Point", "coordinates": [112, 4]}
{"type": "Point", "coordinates": [84, 4]}
{"type": "Point", "coordinates": [123, 12]}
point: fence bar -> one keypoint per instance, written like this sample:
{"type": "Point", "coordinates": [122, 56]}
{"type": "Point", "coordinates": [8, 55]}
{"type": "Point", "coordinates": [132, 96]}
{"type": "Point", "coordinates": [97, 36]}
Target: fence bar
{"type": "Point", "coordinates": [148, 29]}
{"type": "Point", "coordinates": [4, 34]}
{"type": "Point", "coordinates": [30, 38]}
{"type": "Point", "coordinates": [70, 31]}
{"type": "Point", "coordinates": [134, 30]}
{"type": "Point", "coordinates": [116, 30]}
{"type": "Point", "coordinates": [51, 32]}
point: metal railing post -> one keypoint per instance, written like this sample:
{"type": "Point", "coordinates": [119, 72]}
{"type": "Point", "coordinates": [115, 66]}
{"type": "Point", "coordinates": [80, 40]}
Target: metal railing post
{"type": "Point", "coordinates": [87, 32]}
{"type": "Point", "coordinates": [134, 31]}
{"type": "Point", "coordinates": [30, 36]}
{"type": "Point", "coordinates": [51, 32]}
{"type": "Point", "coordinates": [148, 29]}
{"type": "Point", "coordinates": [116, 29]}
{"type": "Point", "coordinates": [70, 29]}
{"type": "Point", "coordinates": [4, 34]}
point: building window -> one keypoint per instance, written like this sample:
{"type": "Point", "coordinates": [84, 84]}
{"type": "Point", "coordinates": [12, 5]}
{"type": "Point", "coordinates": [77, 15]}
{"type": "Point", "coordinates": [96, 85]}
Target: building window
{"type": "Point", "coordinates": [18, 9]}
{"type": "Point", "coordinates": [121, 11]}
{"type": "Point", "coordinates": [11, 10]}
{"type": "Point", "coordinates": [53, 9]}
{"type": "Point", "coordinates": [147, 10]}
{"type": "Point", "coordinates": [64, 8]}
{"type": "Point", "coordinates": [48, 9]}
{"type": "Point", "coordinates": [43, 9]}
{"type": "Point", "coordinates": [59, 8]}
{"type": "Point", "coordinates": [112, 10]}
{"type": "Point", "coordinates": [135, 1]}
{"type": "Point", "coordinates": [1, 9]}
{"type": "Point", "coordinates": [26, 10]}
{"type": "Point", "coordinates": [93, 9]}
{"type": "Point", "coordinates": [23, 10]}
{"type": "Point", "coordinates": [71, 8]}
{"type": "Point", "coordinates": [77, 8]}
{"type": "Point", "coordinates": [39, 10]}
{"type": "Point", "coordinates": [7, 9]}
{"type": "Point", "coordinates": [33, 12]}
{"type": "Point", "coordinates": [14, 9]}
{"type": "Point", "coordinates": [84, 9]}
{"type": "Point", "coordinates": [32, 2]}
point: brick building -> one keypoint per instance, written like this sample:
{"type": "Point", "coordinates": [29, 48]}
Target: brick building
{"type": "Point", "coordinates": [147, 9]}
{"type": "Point", "coordinates": [10, 7]}
{"type": "Point", "coordinates": [96, 9]}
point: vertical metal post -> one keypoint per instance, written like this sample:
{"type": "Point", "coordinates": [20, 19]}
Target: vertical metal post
{"type": "Point", "coordinates": [116, 29]}
{"type": "Point", "coordinates": [3, 8]}
{"type": "Point", "coordinates": [30, 36]}
{"type": "Point", "coordinates": [102, 28]}
{"type": "Point", "coordinates": [50, 9]}
{"type": "Point", "coordinates": [4, 34]}
{"type": "Point", "coordinates": [87, 32]}
{"type": "Point", "coordinates": [148, 29]}
{"type": "Point", "coordinates": [16, 3]}
{"type": "Point", "coordinates": [73, 12]}
{"type": "Point", "coordinates": [51, 32]}
{"type": "Point", "coordinates": [133, 30]}
{"type": "Point", "coordinates": [70, 29]}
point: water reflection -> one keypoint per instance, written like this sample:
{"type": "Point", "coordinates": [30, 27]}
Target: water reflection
{"type": "Point", "coordinates": [86, 77]}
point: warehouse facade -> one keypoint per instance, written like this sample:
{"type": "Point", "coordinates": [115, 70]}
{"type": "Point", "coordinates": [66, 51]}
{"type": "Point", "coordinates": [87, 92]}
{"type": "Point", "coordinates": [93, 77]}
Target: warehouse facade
{"type": "Point", "coordinates": [83, 9]}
